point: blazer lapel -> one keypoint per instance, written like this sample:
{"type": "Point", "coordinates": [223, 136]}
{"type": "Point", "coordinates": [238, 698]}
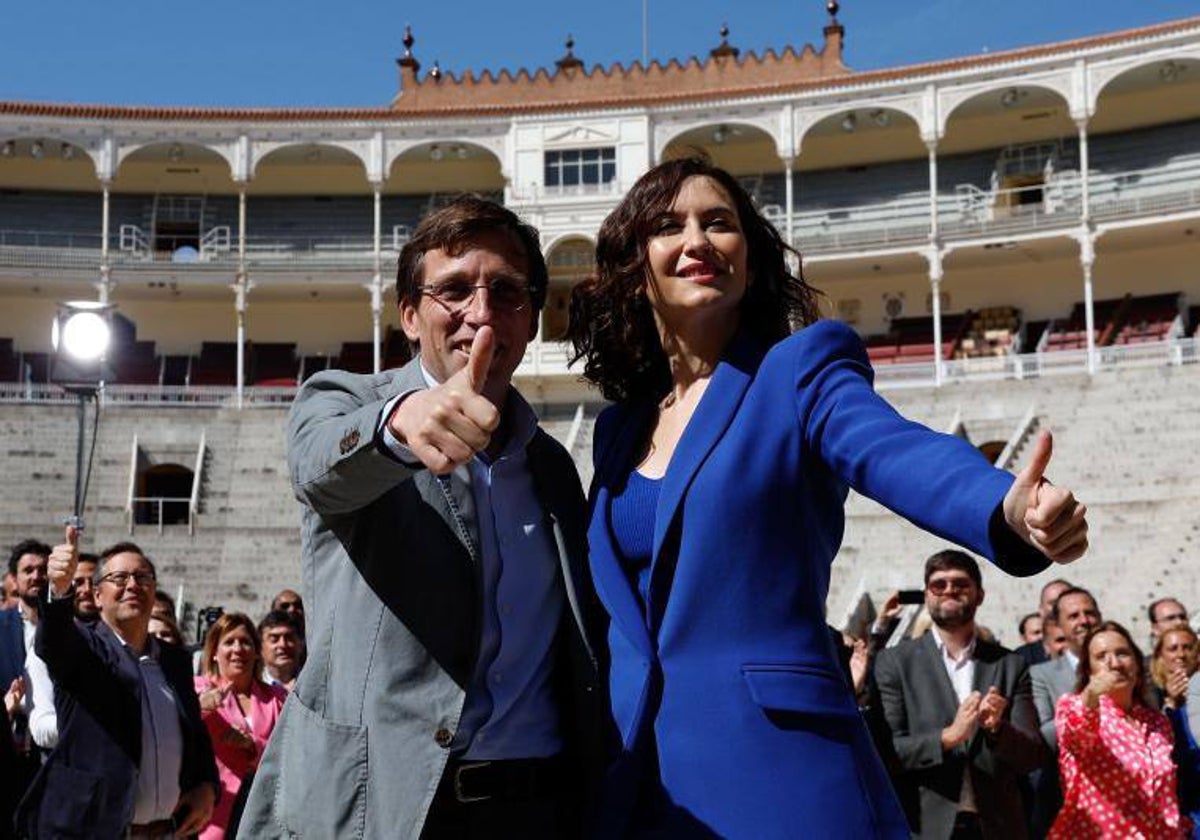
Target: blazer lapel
{"type": "Point", "coordinates": [612, 585]}
{"type": "Point", "coordinates": [712, 417]}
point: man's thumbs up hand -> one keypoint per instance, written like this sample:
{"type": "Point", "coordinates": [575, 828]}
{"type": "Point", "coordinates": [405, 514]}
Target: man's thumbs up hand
{"type": "Point", "coordinates": [60, 568]}
{"type": "Point", "coordinates": [445, 426]}
{"type": "Point", "coordinates": [1047, 517]}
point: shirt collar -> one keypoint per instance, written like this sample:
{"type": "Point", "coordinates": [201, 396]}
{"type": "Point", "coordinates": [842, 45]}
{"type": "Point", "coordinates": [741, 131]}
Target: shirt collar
{"type": "Point", "coordinates": [516, 414]}
{"type": "Point", "coordinates": [967, 653]}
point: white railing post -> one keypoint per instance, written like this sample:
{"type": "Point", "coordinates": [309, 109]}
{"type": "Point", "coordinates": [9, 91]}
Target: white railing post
{"type": "Point", "coordinates": [197, 477]}
{"type": "Point", "coordinates": [1087, 258]}
{"type": "Point", "coordinates": [132, 489]}
{"type": "Point", "coordinates": [377, 279]}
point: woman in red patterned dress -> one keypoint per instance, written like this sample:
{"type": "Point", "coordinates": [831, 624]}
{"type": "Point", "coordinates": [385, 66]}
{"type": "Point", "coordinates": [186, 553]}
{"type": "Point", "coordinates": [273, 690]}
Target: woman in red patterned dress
{"type": "Point", "coordinates": [1118, 777]}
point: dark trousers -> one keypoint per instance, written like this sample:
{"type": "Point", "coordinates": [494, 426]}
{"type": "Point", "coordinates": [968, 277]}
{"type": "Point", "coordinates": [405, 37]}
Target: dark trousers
{"type": "Point", "coordinates": [499, 804]}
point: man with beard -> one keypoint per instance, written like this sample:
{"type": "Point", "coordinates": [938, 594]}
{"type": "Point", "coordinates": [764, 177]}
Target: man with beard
{"type": "Point", "coordinates": [39, 688]}
{"type": "Point", "coordinates": [960, 713]}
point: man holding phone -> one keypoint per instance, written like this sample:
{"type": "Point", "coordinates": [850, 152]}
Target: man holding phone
{"type": "Point", "coordinates": [960, 713]}
{"type": "Point", "coordinates": [133, 756]}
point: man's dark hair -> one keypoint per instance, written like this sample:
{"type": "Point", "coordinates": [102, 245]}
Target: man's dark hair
{"type": "Point", "coordinates": [278, 618]}
{"type": "Point", "coordinates": [1074, 590]}
{"type": "Point", "coordinates": [952, 558]}
{"type": "Point", "coordinates": [26, 547]}
{"type": "Point", "coordinates": [1024, 621]}
{"type": "Point", "coordinates": [1154, 607]}
{"type": "Point", "coordinates": [456, 226]}
{"type": "Point", "coordinates": [125, 548]}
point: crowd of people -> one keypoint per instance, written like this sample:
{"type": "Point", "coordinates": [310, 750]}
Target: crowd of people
{"type": "Point", "coordinates": [1075, 733]}
{"type": "Point", "coordinates": [490, 654]}
{"type": "Point", "coordinates": [117, 729]}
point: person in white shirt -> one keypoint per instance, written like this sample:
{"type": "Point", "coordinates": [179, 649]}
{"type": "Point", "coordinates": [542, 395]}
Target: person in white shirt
{"type": "Point", "coordinates": [960, 713]}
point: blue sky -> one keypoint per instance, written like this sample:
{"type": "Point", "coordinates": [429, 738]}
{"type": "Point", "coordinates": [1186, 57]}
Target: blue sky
{"type": "Point", "coordinates": [323, 53]}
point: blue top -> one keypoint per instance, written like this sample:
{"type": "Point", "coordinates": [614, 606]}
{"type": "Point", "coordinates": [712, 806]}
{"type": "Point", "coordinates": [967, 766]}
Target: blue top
{"type": "Point", "coordinates": [631, 519]}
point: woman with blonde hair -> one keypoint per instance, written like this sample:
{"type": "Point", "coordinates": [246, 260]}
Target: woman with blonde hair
{"type": "Point", "coordinates": [239, 709]}
{"type": "Point", "coordinates": [1173, 670]}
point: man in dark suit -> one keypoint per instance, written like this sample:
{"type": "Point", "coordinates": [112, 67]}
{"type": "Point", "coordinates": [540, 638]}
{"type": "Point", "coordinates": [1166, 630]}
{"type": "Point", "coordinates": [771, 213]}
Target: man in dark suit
{"type": "Point", "coordinates": [452, 682]}
{"type": "Point", "coordinates": [960, 713]}
{"type": "Point", "coordinates": [133, 756]}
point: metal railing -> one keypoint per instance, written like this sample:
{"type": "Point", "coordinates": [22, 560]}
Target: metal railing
{"type": "Point", "coordinates": [159, 503]}
{"type": "Point", "coordinates": [550, 359]}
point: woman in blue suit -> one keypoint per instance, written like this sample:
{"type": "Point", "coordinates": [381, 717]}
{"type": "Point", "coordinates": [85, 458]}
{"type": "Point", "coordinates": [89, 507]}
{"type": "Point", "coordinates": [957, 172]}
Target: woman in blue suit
{"type": "Point", "coordinates": [717, 508]}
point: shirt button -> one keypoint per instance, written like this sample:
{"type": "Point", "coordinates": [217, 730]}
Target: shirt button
{"type": "Point", "coordinates": [443, 737]}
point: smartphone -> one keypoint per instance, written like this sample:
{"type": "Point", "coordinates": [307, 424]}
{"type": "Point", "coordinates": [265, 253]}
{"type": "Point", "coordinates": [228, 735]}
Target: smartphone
{"type": "Point", "coordinates": [912, 596]}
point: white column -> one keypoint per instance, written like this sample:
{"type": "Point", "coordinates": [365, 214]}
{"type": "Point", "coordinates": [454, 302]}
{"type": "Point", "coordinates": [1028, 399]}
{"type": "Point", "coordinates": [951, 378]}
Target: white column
{"type": "Point", "coordinates": [1085, 212]}
{"type": "Point", "coordinates": [1087, 258]}
{"type": "Point", "coordinates": [105, 269]}
{"type": "Point", "coordinates": [376, 290]}
{"type": "Point", "coordinates": [933, 190]}
{"type": "Point", "coordinates": [377, 280]}
{"type": "Point", "coordinates": [935, 288]}
{"type": "Point", "coordinates": [789, 193]}
{"type": "Point", "coordinates": [239, 291]}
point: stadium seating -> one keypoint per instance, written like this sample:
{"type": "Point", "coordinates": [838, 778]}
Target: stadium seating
{"type": "Point", "coordinates": [272, 364]}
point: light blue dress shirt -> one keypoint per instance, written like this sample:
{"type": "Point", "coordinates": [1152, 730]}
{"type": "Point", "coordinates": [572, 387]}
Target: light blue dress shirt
{"type": "Point", "coordinates": [510, 710]}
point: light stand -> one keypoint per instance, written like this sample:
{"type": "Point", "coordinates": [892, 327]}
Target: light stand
{"type": "Point", "coordinates": [81, 335]}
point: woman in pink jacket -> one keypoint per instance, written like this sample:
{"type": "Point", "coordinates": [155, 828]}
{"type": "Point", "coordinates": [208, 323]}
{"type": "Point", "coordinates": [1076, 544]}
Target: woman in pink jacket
{"type": "Point", "coordinates": [239, 709]}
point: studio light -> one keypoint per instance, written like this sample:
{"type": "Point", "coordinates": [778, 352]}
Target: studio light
{"type": "Point", "coordinates": [80, 335]}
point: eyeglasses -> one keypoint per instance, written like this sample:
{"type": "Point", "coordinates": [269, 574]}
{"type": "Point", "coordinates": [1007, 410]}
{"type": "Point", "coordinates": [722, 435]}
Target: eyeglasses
{"type": "Point", "coordinates": [940, 585]}
{"type": "Point", "coordinates": [121, 579]}
{"type": "Point", "coordinates": [503, 295]}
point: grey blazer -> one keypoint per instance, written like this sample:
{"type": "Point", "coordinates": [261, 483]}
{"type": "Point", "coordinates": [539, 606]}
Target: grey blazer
{"type": "Point", "coordinates": [392, 591]}
{"type": "Point", "coordinates": [1051, 680]}
{"type": "Point", "coordinates": [918, 701]}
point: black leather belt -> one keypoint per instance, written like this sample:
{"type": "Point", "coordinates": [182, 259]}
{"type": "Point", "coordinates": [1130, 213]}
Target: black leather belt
{"type": "Point", "coordinates": [509, 780]}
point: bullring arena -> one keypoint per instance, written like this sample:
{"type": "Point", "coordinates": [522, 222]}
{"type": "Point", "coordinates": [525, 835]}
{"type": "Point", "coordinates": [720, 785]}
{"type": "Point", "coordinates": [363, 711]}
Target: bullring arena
{"type": "Point", "coordinates": [1014, 234]}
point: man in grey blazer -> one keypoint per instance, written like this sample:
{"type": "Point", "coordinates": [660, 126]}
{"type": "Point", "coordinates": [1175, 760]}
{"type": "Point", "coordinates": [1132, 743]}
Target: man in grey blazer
{"type": "Point", "coordinates": [452, 682]}
{"type": "Point", "coordinates": [960, 714]}
{"type": "Point", "coordinates": [1076, 613]}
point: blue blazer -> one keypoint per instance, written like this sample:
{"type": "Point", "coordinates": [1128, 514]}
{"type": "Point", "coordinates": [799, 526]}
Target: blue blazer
{"type": "Point", "coordinates": [12, 646]}
{"type": "Point", "coordinates": [728, 680]}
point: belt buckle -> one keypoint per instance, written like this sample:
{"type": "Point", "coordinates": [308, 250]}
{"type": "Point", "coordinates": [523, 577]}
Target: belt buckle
{"type": "Point", "coordinates": [458, 784]}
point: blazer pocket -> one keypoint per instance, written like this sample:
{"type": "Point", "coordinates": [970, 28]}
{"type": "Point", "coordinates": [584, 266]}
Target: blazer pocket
{"type": "Point", "coordinates": [71, 802]}
{"type": "Point", "coordinates": [800, 689]}
{"type": "Point", "coordinates": [321, 791]}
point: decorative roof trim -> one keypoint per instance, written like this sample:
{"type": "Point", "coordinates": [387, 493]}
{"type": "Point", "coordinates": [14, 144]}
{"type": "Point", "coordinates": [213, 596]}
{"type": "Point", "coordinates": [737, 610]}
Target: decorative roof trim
{"type": "Point", "coordinates": [397, 112]}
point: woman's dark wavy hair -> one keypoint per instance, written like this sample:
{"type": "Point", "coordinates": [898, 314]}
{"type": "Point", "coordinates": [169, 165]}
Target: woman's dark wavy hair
{"type": "Point", "coordinates": [1084, 672]}
{"type": "Point", "coordinates": [612, 326]}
